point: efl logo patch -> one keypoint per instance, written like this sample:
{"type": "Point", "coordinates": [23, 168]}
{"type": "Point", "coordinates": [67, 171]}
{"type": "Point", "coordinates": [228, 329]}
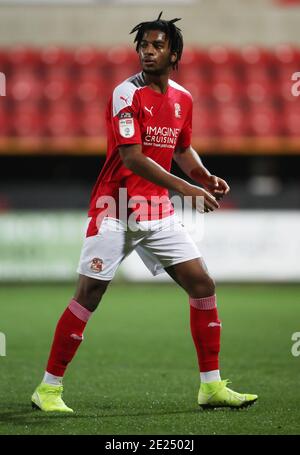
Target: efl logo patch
{"type": "Point", "coordinates": [126, 115]}
{"type": "Point", "coordinates": [97, 265]}
{"type": "Point", "coordinates": [126, 127]}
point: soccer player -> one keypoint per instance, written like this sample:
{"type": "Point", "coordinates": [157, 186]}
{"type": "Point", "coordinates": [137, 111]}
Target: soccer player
{"type": "Point", "coordinates": [149, 122]}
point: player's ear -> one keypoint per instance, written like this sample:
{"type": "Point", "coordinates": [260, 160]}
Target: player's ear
{"type": "Point", "coordinates": [173, 57]}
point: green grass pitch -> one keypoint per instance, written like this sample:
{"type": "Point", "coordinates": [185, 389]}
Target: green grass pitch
{"type": "Point", "coordinates": [136, 372]}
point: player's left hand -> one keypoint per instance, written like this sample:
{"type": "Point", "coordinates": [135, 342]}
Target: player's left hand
{"type": "Point", "coordinates": [216, 186]}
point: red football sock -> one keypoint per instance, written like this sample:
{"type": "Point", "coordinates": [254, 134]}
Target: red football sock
{"type": "Point", "coordinates": [67, 337]}
{"type": "Point", "coordinates": [206, 332]}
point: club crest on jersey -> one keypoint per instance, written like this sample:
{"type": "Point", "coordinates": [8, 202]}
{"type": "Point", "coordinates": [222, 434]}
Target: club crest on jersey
{"type": "Point", "coordinates": [126, 127]}
{"type": "Point", "coordinates": [177, 108]}
{"type": "Point", "coordinates": [96, 265]}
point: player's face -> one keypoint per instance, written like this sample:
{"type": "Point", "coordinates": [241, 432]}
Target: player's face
{"type": "Point", "coordinates": [154, 52]}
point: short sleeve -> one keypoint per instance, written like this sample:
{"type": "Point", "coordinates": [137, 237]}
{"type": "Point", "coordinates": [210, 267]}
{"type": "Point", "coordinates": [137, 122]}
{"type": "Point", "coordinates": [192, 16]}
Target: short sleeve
{"type": "Point", "coordinates": [125, 114]}
{"type": "Point", "coordinates": [185, 136]}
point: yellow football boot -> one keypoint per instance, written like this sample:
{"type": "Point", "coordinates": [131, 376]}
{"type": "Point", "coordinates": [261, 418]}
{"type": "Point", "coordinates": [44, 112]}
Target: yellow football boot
{"type": "Point", "coordinates": [48, 398]}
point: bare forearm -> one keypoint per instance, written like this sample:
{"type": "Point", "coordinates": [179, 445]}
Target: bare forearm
{"type": "Point", "coordinates": [190, 163]}
{"type": "Point", "coordinates": [147, 168]}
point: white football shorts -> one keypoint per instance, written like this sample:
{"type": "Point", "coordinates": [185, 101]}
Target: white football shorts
{"type": "Point", "coordinates": [159, 243]}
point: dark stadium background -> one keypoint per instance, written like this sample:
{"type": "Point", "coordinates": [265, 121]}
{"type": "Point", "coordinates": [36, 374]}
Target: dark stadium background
{"type": "Point", "coordinates": [65, 182]}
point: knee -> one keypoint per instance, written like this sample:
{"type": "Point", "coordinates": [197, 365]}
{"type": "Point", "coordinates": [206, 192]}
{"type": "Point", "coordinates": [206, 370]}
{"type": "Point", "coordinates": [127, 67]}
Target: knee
{"type": "Point", "coordinates": [90, 292]}
{"type": "Point", "coordinates": [203, 286]}
{"type": "Point", "coordinates": [95, 293]}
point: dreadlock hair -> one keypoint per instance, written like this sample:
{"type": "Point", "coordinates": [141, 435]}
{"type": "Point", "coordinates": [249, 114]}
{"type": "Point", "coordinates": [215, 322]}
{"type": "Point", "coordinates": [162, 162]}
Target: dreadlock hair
{"type": "Point", "coordinates": [172, 32]}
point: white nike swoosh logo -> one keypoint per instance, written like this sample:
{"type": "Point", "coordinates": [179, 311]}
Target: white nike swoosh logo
{"type": "Point", "coordinates": [214, 324]}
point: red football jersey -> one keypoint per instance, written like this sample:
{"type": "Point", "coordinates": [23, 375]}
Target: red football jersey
{"type": "Point", "coordinates": [136, 114]}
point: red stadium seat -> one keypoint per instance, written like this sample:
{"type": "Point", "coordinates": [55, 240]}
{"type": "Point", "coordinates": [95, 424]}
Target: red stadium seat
{"type": "Point", "coordinates": [57, 88]}
{"type": "Point", "coordinates": [285, 71]}
{"type": "Point", "coordinates": [25, 87]}
{"type": "Point", "coordinates": [224, 92]}
{"type": "Point", "coordinates": [219, 55]}
{"type": "Point", "coordinates": [87, 56]}
{"type": "Point", "coordinates": [55, 55]}
{"type": "Point", "coordinates": [252, 55]}
{"type": "Point", "coordinates": [200, 91]}
{"type": "Point", "coordinates": [27, 122]}
{"type": "Point", "coordinates": [119, 73]}
{"type": "Point", "coordinates": [285, 91]}
{"type": "Point", "coordinates": [257, 73]}
{"type": "Point", "coordinates": [190, 56]}
{"type": "Point", "coordinates": [60, 105]}
{"type": "Point", "coordinates": [90, 62]}
{"type": "Point", "coordinates": [258, 92]}
{"type": "Point", "coordinates": [5, 124]}
{"type": "Point", "coordinates": [61, 123]}
{"type": "Point", "coordinates": [291, 120]}
{"type": "Point", "coordinates": [123, 63]}
{"type": "Point", "coordinates": [265, 122]}
{"type": "Point", "coordinates": [57, 60]}
{"type": "Point", "coordinates": [226, 74]}
{"type": "Point", "coordinates": [192, 67]}
{"type": "Point", "coordinates": [3, 60]}
{"type": "Point", "coordinates": [286, 54]}
{"type": "Point", "coordinates": [121, 55]}
{"type": "Point", "coordinates": [191, 75]}
{"type": "Point", "coordinates": [24, 59]}
{"type": "Point", "coordinates": [92, 122]}
{"type": "Point", "coordinates": [62, 93]}
{"type": "Point", "coordinates": [90, 89]}
{"type": "Point", "coordinates": [231, 122]}
{"type": "Point", "coordinates": [204, 122]}
{"type": "Point", "coordinates": [202, 57]}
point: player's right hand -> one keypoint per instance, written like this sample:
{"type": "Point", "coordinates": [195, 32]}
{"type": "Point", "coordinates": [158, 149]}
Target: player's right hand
{"type": "Point", "coordinates": [201, 199]}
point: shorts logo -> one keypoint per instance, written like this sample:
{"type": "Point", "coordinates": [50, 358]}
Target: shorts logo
{"type": "Point", "coordinates": [97, 265]}
{"type": "Point", "coordinates": [126, 127]}
{"type": "Point", "coordinates": [177, 108]}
